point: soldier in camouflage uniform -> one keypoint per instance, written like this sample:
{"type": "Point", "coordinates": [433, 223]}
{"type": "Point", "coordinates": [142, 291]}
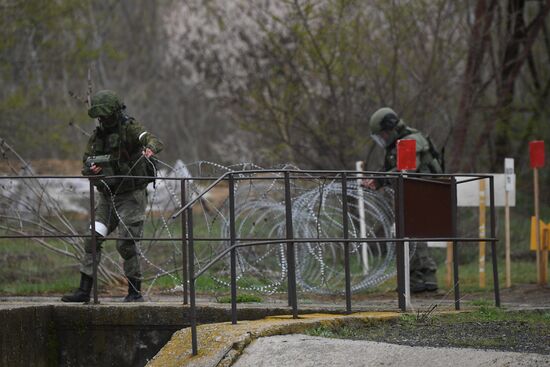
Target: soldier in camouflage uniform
{"type": "Point", "coordinates": [118, 146]}
{"type": "Point", "coordinates": [386, 128]}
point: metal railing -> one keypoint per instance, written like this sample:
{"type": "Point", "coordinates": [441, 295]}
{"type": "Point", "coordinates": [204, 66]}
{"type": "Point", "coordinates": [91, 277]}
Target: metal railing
{"type": "Point", "coordinates": [290, 241]}
{"type": "Point", "coordinates": [188, 240]}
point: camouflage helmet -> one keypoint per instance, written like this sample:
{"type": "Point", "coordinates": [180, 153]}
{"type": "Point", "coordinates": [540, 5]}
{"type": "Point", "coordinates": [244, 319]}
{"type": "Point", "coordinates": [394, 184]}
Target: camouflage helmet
{"type": "Point", "coordinates": [105, 103]}
{"type": "Point", "coordinates": [384, 125]}
{"type": "Point", "coordinates": [383, 119]}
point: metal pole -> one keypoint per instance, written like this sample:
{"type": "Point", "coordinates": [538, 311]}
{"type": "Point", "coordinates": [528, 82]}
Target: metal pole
{"type": "Point", "coordinates": [232, 236]}
{"type": "Point", "coordinates": [184, 245]}
{"type": "Point", "coordinates": [493, 243]}
{"type": "Point", "coordinates": [191, 268]}
{"type": "Point", "coordinates": [362, 223]}
{"type": "Point", "coordinates": [455, 243]}
{"type": "Point", "coordinates": [509, 185]}
{"type": "Point", "coordinates": [93, 240]}
{"type": "Point", "coordinates": [346, 236]}
{"type": "Point", "coordinates": [291, 257]}
{"type": "Point", "coordinates": [400, 245]}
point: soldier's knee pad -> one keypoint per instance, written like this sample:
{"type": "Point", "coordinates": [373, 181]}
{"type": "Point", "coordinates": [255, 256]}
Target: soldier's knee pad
{"type": "Point", "coordinates": [98, 241]}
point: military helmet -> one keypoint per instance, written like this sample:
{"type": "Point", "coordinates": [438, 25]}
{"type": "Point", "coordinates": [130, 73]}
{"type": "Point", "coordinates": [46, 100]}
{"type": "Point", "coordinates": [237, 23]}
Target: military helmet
{"type": "Point", "coordinates": [104, 104]}
{"type": "Point", "coordinates": [383, 119]}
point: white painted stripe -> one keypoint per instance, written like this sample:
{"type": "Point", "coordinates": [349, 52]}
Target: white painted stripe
{"type": "Point", "coordinates": [141, 135]}
{"type": "Point", "coordinates": [100, 228]}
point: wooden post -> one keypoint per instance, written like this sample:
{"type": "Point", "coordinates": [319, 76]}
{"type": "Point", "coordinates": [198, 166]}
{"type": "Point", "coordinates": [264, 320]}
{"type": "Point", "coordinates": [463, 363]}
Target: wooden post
{"type": "Point", "coordinates": [536, 155]}
{"type": "Point", "coordinates": [544, 262]}
{"type": "Point", "coordinates": [537, 225]}
{"type": "Point", "coordinates": [482, 244]}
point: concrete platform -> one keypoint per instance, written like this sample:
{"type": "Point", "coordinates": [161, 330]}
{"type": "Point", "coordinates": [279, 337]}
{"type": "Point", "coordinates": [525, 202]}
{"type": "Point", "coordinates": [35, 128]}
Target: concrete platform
{"type": "Point", "coordinates": [221, 344]}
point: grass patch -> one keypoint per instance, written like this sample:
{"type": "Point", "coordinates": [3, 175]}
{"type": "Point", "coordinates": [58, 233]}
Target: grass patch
{"type": "Point", "coordinates": [523, 272]}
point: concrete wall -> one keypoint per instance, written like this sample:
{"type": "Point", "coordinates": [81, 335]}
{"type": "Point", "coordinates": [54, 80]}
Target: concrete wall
{"type": "Point", "coordinates": [85, 335]}
{"type": "Point", "coordinates": [27, 337]}
{"type": "Point", "coordinates": [100, 335]}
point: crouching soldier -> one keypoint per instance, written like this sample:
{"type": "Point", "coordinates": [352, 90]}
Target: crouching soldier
{"type": "Point", "coordinates": [118, 146]}
{"type": "Point", "coordinates": [386, 129]}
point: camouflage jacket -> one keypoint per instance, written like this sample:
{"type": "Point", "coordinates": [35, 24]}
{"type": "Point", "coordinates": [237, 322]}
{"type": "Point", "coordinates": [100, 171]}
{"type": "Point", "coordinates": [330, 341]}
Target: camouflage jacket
{"type": "Point", "coordinates": [121, 151]}
{"type": "Point", "coordinates": [426, 161]}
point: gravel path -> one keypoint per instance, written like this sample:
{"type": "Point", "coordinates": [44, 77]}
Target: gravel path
{"type": "Point", "coordinates": [303, 351]}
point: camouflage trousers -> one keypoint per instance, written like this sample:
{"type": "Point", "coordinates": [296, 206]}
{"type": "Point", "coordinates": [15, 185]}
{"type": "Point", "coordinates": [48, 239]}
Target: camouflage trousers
{"type": "Point", "coordinates": [127, 212]}
{"type": "Point", "coordinates": [422, 266]}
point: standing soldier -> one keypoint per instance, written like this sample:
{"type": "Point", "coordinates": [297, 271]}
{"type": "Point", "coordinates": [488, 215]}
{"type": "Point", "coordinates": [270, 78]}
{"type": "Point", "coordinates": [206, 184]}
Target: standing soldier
{"type": "Point", "coordinates": [386, 128]}
{"type": "Point", "coordinates": [118, 146]}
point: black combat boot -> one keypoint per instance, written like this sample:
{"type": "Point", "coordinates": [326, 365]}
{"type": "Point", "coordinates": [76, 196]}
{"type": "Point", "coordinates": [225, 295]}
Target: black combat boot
{"type": "Point", "coordinates": [430, 280]}
{"type": "Point", "coordinates": [82, 294]}
{"type": "Point", "coordinates": [134, 291]}
{"type": "Point", "coordinates": [417, 282]}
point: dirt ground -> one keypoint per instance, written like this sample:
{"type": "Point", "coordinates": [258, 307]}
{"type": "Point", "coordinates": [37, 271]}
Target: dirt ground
{"type": "Point", "coordinates": [488, 328]}
{"type": "Point", "coordinates": [528, 294]}
{"type": "Point", "coordinates": [514, 333]}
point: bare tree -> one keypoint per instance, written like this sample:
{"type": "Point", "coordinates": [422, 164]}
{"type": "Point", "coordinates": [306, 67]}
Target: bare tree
{"type": "Point", "coordinates": [306, 75]}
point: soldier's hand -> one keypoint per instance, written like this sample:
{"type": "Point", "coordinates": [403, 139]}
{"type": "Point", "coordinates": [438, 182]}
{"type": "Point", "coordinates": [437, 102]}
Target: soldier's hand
{"type": "Point", "coordinates": [369, 183]}
{"type": "Point", "coordinates": [147, 152]}
{"type": "Point", "coordinates": [95, 169]}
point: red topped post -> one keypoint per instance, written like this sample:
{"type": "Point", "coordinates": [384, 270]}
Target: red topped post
{"type": "Point", "coordinates": [406, 155]}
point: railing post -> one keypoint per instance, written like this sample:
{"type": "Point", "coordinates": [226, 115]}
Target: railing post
{"type": "Point", "coordinates": [346, 236]}
{"type": "Point", "coordinates": [455, 243]}
{"type": "Point", "coordinates": [191, 276]}
{"type": "Point", "coordinates": [232, 242]}
{"type": "Point", "coordinates": [93, 240]}
{"type": "Point", "coordinates": [400, 242]}
{"type": "Point", "coordinates": [183, 195]}
{"type": "Point", "coordinates": [291, 256]}
{"type": "Point", "coordinates": [493, 243]}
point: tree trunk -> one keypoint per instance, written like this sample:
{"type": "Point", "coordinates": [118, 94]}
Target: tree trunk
{"type": "Point", "coordinates": [478, 39]}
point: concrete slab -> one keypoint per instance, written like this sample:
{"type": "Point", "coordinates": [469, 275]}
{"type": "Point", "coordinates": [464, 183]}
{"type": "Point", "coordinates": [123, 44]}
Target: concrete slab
{"type": "Point", "coordinates": [310, 351]}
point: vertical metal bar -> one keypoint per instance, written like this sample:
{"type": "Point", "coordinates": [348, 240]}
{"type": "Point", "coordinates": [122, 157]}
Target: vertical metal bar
{"type": "Point", "coordinates": [191, 268]}
{"type": "Point", "coordinates": [184, 245]}
{"type": "Point", "coordinates": [455, 243]}
{"type": "Point", "coordinates": [232, 236]}
{"type": "Point", "coordinates": [291, 256]}
{"type": "Point", "coordinates": [400, 242]}
{"type": "Point", "coordinates": [482, 234]}
{"type": "Point", "coordinates": [93, 240]}
{"type": "Point", "coordinates": [288, 218]}
{"type": "Point", "coordinates": [346, 236]}
{"type": "Point", "coordinates": [493, 243]}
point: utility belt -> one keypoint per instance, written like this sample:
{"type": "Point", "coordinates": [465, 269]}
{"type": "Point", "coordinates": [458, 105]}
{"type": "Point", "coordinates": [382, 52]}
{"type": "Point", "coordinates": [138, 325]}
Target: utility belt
{"type": "Point", "coordinates": [139, 166]}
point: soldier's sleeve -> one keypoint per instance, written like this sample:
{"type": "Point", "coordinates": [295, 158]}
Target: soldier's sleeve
{"type": "Point", "coordinates": [425, 160]}
{"type": "Point", "coordinates": [88, 152]}
{"type": "Point", "coordinates": [144, 138]}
